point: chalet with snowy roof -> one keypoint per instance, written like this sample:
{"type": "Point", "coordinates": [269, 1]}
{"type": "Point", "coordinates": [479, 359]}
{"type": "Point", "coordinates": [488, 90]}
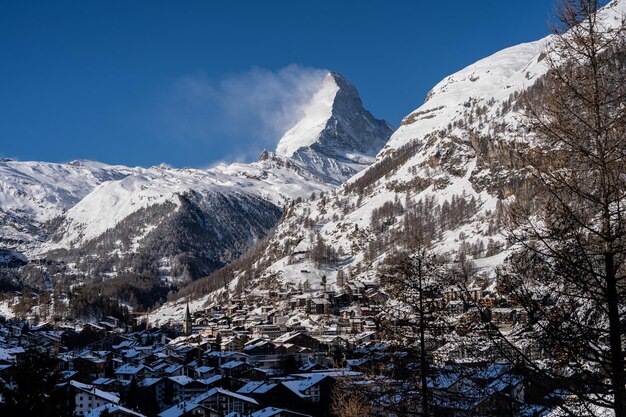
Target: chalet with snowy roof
{"type": "Point", "coordinates": [181, 388]}
{"type": "Point", "coordinates": [86, 397]}
{"type": "Point", "coordinates": [319, 306]}
{"type": "Point", "coordinates": [291, 349]}
{"type": "Point", "coordinates": [354, 290]}
{"type": "Point", "coordinates": [133, 355]}
{"type": "Point", "coordinates": [298, 302]}
{"type": "Point", "coordinates": [234, 368]}
{"type": "Point", "coordinates": [90, 366]}
{"type": "Point", "coordinates": [156, 369]}
{"type": "Point", "coordinates": [359, 364]}
{"type": "Point", "coordinates": [65, 375]}
{"type": "Point", "coordinates": [271, 331]}
{"type": "Point", "coordinates": [213, 381]}
{"type": "Point", "coordinates": [129, 372]}
{"type": "Point", "coordinates": [273, 394]}
{"type": "Point", "coordinates": [331, 343]}
{"type": "Point", "coordinates": [174, 369]}
{"type": "Point", "coordinates": [226, 402]}
{"type": "Point", "coordinates": [258, 374]}
{"type": "Point", "coordinates": [312, 366]}
{"type": "Point", "coordinates": [232, 343]}
{"type": "Point", "coordinates": [312, 387]}
{"type": "Point", "coordinates": [298, 339]}
{"type": "Point", "coordinates": [260, 347]}
{"type": "Point", "coordinates": [106, 384]}
{"type": "Point", "coordinates": [203, 372]}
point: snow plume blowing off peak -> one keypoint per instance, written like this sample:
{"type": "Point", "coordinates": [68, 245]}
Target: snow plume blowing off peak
{"type": "Point", "coordinates": [239, 115]}
{"type": "Point", "coordinates": [315, 115]}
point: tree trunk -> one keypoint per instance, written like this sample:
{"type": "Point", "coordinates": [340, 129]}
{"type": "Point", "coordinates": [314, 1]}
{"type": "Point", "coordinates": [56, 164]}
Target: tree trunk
{"type": "Point", "coordinates": [423, 361]}
{"type": "Point", "coordinates": [615, 335]}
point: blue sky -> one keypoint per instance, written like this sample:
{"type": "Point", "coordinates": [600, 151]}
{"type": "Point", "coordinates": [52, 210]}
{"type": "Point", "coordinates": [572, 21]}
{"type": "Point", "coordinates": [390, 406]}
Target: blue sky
{"type": "Point", "coordinates": [190, 83]}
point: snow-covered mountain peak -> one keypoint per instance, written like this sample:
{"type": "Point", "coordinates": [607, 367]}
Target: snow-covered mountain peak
{"type": "Point", "coordinates": [336, 137]}
{"type": "Point", "coordinates": [331, 121]}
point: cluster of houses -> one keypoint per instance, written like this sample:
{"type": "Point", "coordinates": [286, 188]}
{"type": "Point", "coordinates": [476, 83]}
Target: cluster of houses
{"type": "Point", "coordinates": [182, 376]}
{"type": "Point", "coordinates": [267, 353]}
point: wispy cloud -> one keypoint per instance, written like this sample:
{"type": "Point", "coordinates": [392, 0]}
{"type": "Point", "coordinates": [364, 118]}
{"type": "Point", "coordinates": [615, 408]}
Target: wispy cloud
{"type": "Point", "coordinates": [238, 115]}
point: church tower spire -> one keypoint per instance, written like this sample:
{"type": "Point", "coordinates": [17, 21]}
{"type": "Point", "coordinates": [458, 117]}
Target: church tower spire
{"type": "Point", "coordinates": [187, 326]}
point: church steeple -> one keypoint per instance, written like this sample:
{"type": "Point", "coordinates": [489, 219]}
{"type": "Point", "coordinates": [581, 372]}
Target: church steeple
{"type": "Point", "coordinates": [187, 326]}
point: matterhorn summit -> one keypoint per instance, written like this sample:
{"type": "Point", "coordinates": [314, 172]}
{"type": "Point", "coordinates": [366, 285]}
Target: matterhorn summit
{"type": "Point", "coordinates": [336, 137]}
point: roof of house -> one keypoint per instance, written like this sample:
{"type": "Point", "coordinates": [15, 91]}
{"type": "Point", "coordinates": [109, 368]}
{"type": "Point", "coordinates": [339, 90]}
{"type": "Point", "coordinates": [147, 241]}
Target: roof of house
{"type": "Point", "coordinates": [172, 368]}
{"type": "Point", "coordinates": [180, 409]}
{"type": "Point", "coordinates": [181, 379]}
{"type": "Point", "coordinates": [90, 389]}
{"type": "Point", "coordinates": [160, 366]}
{"type": "Point", "coordinates": [287, 336]}
{"type": "Point", "coordinates": [217, 354]}
{"type": "Point", "coordinates": [129, 369]}
{"type": "Point", "coordinates": [232, 364]}
{"type": "Point", "coordinates": [124, 344]}
{"type": "Point", "coordinates": [215, 391]}
{"type": "Point", "coordinates": [64, 375]}
{"type": "Point", "coordinates": [147, 382]}
{"type": "Point", "coordinates": [203, 369]}
{"type": "Point", "coordinates": [264, 388]}
{"type": "Point", "coordinates": [250, 387]}
{"type": "Point", "coordinates": [301, 385]}
{"type": "Point", "coordinates": [212, 380]}
{"type": "Point", "coordinates": [267, 412]}
{"type": "Point", "coordinates": [103, 381]}
{"type": "Point", "coordinates": [310, 365]}
{"type": "Point", "coordinates": [111, 408]}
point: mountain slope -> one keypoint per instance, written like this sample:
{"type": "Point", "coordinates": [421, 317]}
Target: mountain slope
{"type": "Point", "coordinates": [442, 178]}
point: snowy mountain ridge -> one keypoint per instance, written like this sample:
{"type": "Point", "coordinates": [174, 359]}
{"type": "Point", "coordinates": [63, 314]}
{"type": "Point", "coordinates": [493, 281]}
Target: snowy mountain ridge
{"type": "Point", "coordinates": [112, 201]}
